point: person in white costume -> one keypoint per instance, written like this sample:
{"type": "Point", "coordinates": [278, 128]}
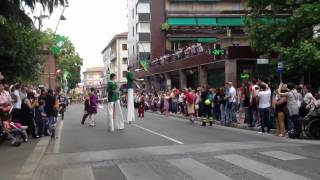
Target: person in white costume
{"type": "Point", "coordinates": [130, 83]}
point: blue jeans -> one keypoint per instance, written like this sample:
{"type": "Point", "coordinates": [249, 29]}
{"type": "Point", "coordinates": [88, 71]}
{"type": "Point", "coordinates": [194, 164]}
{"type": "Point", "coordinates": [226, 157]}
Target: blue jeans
{"type": "Point", "coordinates": [231, 112]}
{"type": "Point", "coordinates": [292, 124]}
{"type": "Point", "coordinates": [264, 118]}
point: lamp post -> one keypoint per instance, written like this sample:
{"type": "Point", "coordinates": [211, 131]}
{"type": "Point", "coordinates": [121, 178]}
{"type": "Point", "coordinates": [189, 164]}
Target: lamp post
{"type": "Point", "coordinates": [51, 61]}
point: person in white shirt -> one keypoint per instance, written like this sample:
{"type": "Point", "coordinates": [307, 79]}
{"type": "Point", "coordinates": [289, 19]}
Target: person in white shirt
{"type": "Point", "coordinates": [231, 104]}
{"type": "Point", "coordinates": [264, 97]}
{"type": "Point", "coordinates": [16, 103]}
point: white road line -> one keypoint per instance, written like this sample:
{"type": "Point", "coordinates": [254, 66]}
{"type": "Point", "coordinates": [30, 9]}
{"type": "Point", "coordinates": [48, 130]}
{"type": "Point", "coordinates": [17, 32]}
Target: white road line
{"type": "Point", "coordinates": [197, 170]}
{"type": "Point", "coordinates": [153, 132]}
{"type": "Point", "coordinates": [78, 174]}
{"type": "Point", "coordinates": [138, 171]}
{"type": "Point", "coordinates": [282, 155]}
{"type": "Point", "coordinates": [262, 169]}
{"type": "Point", "coordinates": [58, 138]}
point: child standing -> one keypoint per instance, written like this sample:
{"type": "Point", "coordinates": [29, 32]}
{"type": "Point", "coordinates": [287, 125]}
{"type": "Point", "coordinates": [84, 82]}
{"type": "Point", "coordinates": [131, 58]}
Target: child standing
{"type": "Point", "coordinates": [141, 106]}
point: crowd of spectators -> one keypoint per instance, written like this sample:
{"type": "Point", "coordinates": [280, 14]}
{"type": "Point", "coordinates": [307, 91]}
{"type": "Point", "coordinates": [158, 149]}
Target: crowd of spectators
{"type": "Point", "coordinates": [253, 103]}
{"type": "Point", "coordinates": [182, 52]}
{"type": "Point", "coordinates": [28, 112]}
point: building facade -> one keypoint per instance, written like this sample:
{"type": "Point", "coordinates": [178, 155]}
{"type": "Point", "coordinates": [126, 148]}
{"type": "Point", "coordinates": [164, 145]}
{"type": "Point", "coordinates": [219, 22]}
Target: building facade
{"type": "Point", "coordinates": [138, 31]}
{"type": "Point", "coordinates": [115, 59]}
{"type": "Point", "coordinates": [93, 78]}
{"type": "Point", "coordinates": [217, 26]}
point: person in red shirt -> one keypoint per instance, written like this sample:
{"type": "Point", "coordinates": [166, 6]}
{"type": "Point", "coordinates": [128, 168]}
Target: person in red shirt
{"type": "Point", "coordinates": [190, 100]}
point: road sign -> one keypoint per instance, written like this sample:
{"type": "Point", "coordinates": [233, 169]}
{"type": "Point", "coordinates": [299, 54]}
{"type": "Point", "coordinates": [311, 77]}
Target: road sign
{"type": "Point", "coordinates": [262, 61]}
{"type": "Point", "coordinates": [280, 67]}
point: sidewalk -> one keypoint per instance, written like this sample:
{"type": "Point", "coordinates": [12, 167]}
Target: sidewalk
{"type": "Point", "coordinates": [13, 158]}
{"type": "Point", "coordinates": [233, 125]}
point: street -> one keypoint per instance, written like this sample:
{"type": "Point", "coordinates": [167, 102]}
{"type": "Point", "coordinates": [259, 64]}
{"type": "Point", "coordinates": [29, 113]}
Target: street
{"type": "Point", "coordinates": [159, 147]}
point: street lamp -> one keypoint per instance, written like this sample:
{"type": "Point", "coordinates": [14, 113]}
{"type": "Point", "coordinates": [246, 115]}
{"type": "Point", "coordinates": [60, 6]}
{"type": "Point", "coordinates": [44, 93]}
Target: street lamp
{"type": "Point", "coordinates": [61, 18]}
{"type": "Point", "coordinates": [55, 31]}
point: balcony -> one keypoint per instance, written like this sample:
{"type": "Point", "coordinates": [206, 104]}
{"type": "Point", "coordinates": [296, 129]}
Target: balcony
{"type": "Point", "coordinates": [143, 37]}
{"type": "Point", "coordinates": [113, 57]}
{"type": "Point", "coordinates": [144, 17]}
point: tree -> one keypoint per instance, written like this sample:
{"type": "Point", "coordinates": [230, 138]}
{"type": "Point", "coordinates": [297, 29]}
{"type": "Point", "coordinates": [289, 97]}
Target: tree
{"type": "Point", "coordinates": [284, 28]}
{"type": "Point", "coordinates": [69, 62]}
{"type": "Point", "coordinates": [21, 44]}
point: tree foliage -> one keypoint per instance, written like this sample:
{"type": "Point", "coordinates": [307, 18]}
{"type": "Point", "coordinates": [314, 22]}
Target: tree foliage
{"type": "Point", "coordinates": [285, 28]}
{"type": "Point", "coordinates": [69, 62]}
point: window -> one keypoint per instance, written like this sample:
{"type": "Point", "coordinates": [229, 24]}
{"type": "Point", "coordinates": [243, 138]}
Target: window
{"type": "Point", "coordinates": [133, 31]}
{"type": "Point", "coordinates": [124, 47]}
{"type": "Point", "coordinates": [124, 61]}
{"type": "Point", "coordinates": [124, 73]}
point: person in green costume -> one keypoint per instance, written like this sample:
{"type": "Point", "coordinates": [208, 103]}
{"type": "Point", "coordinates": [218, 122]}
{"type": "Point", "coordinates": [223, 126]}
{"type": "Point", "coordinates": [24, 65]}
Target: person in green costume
{"type": "Point", "coordinates": [113, 103]}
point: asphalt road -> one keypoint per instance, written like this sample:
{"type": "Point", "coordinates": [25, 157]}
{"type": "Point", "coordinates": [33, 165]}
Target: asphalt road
{"type": "Point", "coordinates": [159, 147]}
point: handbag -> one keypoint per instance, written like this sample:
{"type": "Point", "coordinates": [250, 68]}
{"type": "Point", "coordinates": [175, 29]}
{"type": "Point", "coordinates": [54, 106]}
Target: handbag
{"type": "Point", "coordinates": [197, 106]}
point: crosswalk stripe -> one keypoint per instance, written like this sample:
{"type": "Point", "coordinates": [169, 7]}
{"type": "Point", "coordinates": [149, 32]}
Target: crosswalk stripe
{"type": "Point", "coordinates": [262, 169]}
{"type": "Point", "coordinates": [138, 171]}
{"type": "Point", "coordinates": [282, 155]}
{"type": "Point", "coordinates": [197, 170]}
{"type": "Point", "coordinates": [78, 174]}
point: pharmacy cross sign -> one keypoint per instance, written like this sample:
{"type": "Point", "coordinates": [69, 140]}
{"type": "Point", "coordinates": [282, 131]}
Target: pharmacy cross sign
{"type": "Point", "coordinates": [217, 52]}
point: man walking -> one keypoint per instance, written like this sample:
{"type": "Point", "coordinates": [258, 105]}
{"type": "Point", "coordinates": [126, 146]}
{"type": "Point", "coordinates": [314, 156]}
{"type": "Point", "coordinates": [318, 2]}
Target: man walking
{"type": "Point", "coordinates": [114, 101]}
{"type": "Point", "coordinates": [130, 79]}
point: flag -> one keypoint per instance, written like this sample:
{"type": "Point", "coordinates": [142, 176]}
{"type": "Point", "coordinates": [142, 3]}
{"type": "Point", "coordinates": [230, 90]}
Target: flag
{"type": "Point", "coordinates": [59, 42]}
{"type": "Point", "coordinates": [66, 74]}
{"type": "Point", "coordinates": [145, 64]}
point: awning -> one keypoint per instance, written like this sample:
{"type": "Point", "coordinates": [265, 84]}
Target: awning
{"type": "Point", "coordinates": [182, 21]}
{"type": "Point", "coordinates": [207, 21]}
{"type": "Point", "coordinates": [234, 21]}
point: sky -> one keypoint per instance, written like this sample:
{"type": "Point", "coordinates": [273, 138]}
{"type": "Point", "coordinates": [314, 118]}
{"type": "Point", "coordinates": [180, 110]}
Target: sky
{"type": "Point", "coordinates": [90, 25]}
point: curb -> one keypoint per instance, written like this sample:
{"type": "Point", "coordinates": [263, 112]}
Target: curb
{"type": "Point", "coordinates": [233, 125]}
{"type": "Point", "coordinates": [32, 163]}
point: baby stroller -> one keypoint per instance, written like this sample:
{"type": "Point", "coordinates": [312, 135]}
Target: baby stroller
{"type": "Point", "coordinates": [310, 124]}
{"type": "Point", "coordinates": [8, 134]}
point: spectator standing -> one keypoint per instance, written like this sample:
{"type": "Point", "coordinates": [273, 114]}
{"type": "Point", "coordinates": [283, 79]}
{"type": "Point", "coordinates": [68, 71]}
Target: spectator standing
{"type": "Point", "coordinates": [141, 106]}
{"type": "Point", "coordinates": [281, 106]}
{"type": "Point", "coordinates": [293, 103]}
{"type": "Point", "coordinates": [231, 104]}
{"type": "Point", "coordinates": [16, 112]}
{"type": "Point", "coordinates": [264, 97]}
{"type": "Point", "coordinates": [49, 108]}
{"type": "Point", "coordinates": [27, 112]}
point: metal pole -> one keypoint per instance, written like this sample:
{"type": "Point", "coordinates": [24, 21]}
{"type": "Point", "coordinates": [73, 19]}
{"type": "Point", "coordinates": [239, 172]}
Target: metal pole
{"type": "Point", "coordinates": [59, 19]}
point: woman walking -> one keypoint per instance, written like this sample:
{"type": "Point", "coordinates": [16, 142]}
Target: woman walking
{"type": "Point", "coordinates": [93, 107]}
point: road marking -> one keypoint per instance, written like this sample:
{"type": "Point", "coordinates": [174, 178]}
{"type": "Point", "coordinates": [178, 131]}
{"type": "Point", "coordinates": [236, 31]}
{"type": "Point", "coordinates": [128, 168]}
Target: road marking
{"type": "Point", "coordinates": [197, 170]}
{"type": "Point", "coordinates": [262, 169]}
{"type": "Point", "coordinates": [58, 138]}
{"type": "Point", "coordinates": [78, 174]}
{"type": "Point", "coordinates": [138, 171]}
{"type": "Point", "coordinates": [282, 155]}
{"type": "Point", "coordinates": [153, 132]}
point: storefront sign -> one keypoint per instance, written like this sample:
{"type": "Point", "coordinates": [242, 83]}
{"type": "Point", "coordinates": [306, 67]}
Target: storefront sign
{"type": "Point", "coordinates": [262, 61]}
{"type": "Point", "coordinates": [217, 52]}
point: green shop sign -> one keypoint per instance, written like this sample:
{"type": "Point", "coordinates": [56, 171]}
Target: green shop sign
{"type": "Point", "coordinates": [217, 52]}
{"type": "Point", "coordinates": [245, 75]}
